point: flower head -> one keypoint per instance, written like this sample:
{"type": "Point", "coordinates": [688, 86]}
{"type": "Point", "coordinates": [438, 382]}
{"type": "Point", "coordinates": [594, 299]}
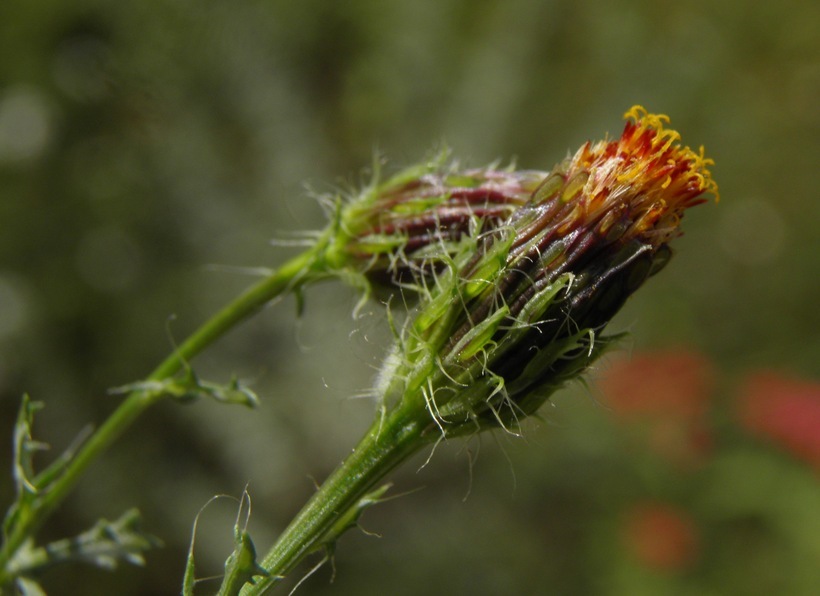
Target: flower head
{"type": "Point", "coordinates": [641, 183]}
{"type": "Point", "coordinates": [520, 309]}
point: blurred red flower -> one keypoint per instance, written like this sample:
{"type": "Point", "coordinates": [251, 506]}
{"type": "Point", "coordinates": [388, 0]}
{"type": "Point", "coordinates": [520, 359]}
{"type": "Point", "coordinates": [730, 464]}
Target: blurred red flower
{"type": "Point", "coordinates": [674, 383]}
{"type": "Point", "coordinates": [661, 536]}
{"type": "Point", "coordinates": [668, 394]}
{"type": "Point", "coordinates": [784, 411]}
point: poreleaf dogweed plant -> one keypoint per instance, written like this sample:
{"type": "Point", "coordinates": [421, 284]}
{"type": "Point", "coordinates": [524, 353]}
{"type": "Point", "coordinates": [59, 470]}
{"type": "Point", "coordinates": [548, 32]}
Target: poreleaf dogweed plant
{"type": "Point", "coordinates": [516, 273]}
{"type": "Point", "coordinates": [517, 312]}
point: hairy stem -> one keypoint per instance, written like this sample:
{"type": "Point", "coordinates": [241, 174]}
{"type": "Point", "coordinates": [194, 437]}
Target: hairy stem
{"type": "Point", "coordinates": [388, 443]}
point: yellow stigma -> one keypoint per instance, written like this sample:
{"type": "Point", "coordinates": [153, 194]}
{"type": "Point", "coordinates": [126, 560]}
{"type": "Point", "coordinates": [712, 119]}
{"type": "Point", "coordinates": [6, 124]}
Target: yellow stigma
{"type": "Point", "coordinates": [641, 114]}
{"type": "Point", "coordinates": [662, 140]}
{"type": "Point", "coordinates": [700, 162]}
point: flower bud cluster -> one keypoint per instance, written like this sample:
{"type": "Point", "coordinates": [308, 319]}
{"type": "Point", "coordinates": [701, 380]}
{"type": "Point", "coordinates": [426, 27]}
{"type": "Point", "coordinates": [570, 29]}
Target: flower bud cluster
{"type": "Point", "coordinates": [520, 306]}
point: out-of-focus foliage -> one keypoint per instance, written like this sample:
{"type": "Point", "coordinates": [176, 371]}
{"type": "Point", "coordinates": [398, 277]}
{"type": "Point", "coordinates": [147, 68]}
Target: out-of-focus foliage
{"type": "Point", "coordinates": [142, 142]}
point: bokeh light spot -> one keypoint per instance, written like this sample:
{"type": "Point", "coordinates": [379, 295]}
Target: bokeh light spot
{"type": "Point", "coordinates": [25, 125]}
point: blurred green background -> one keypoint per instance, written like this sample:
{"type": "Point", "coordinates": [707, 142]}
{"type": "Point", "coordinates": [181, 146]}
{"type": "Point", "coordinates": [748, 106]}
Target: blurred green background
{"type": "Point", "coordinates": [149, 150]}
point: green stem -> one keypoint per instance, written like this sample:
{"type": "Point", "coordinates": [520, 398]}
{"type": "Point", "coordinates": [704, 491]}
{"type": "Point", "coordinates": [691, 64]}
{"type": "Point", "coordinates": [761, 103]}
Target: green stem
{"type": "Point", "coordinates": [308, 266]}
{"type": "Point", "coordinates": [388, 443]}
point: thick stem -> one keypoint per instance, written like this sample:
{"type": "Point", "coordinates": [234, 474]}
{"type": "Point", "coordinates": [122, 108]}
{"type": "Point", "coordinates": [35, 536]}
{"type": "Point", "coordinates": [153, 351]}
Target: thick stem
{"type": "Point", "coordinates": [388, 443]}
{"type": "Point", "coordinates": [307, 266]}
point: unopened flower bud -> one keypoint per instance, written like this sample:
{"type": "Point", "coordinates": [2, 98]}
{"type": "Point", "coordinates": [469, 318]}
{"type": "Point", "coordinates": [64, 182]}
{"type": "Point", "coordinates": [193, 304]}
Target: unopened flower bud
{"type": "Point", "coordinates": [413, 222]}
{"type": "Point", "coordinates": [520, 310]}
